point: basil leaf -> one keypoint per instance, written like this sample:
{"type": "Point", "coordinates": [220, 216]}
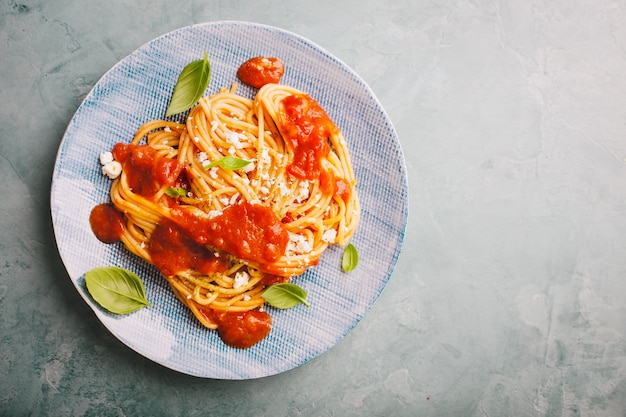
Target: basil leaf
{"type": "Point", "coordinates": [191, 85]}
{"type": "Point", "coordinates": [176, 192]}
{"type": "Point", "coordinates": [350, 258]}
{"type": "Point", "coordinates": [229, 162]}
{"type": "Point", "coordinates": [118, 290]}
{"type": "Point", "coordinates": [285, 295]}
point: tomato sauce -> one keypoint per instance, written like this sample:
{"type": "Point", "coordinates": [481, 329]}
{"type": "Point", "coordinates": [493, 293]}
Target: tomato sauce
{"type": "Point", "coordinates": [248, 231]}
{"type": "Point", "coordinates": [107, 223]}
{"type": "Point", "coordinates": [342, 189]}
{"type": "Point", "coordinates": [328, 183]}
{"type": "Point", "coordinates": [259, 71]}
{"type": "Point", "coordinates": [145, 169]}
{"type": "Point", "coordinates": [271, 279]}
{"type": "Point", "coordinates": [243, 329]}
{"type": "Point", "coordinates": [306, 127]}
{"type": "Point", "coordinates": [173, 251]}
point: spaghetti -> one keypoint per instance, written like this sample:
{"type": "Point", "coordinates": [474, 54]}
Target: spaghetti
{"type": "Point", "coordinates": [246, 193]}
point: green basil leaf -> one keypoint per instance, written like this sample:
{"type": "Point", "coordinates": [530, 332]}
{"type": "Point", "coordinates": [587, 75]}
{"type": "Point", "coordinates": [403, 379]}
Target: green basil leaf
{"type": "Point", "coordinates": [229, 162]}
{"type": "Point", "coordinates": [116, 289]}
{"type": "Point", "coordinates": [176, 192]}
{"type": "Point", "coordinates": [350, 258]}
{"type": "Point", "coordinates": [285, 295]}
{"type": "Point", "coordinates": [191, 85]}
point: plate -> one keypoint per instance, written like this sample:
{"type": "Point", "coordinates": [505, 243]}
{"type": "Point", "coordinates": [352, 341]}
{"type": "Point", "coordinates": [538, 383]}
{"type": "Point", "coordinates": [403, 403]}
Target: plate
{"type": "Point", "coordinates": [138, 89]}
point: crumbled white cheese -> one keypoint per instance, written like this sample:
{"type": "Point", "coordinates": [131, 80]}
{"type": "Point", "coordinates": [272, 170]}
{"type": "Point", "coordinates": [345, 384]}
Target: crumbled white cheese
{"type": "Point", "coordinates": [284, 190]}
{"type": "Point", "coordinates": [167, 129]}
{"type": "Point", "coordinates": [241, 280]}
{"type": "Point", "coordinates": [303, 191]}
{"type": "Point", "coordinates": [112, 169]}
{"type": "Point", "coordinates": [213, 172]}
{"type": "Point", "coordinates": [106, 157]}
{"type": "Point", "coordinates": [234, 198]}
{"type": "Point", "coordinates": [265, 157]}
{"type": "Point", "coordinates": [202, 156]}
{"type": "Point", "coordinates": [235, 139]}
{"type": "Point", "coordinates": [298, 244]}
{"type": "Point", "coordinates": [329, 236]}
{"type": "Point", "coordinates": [214, 125]}
{"type": "Point", "coordinates": [248, 168]}
{"type": "Point", "coordinates": [214, 213]}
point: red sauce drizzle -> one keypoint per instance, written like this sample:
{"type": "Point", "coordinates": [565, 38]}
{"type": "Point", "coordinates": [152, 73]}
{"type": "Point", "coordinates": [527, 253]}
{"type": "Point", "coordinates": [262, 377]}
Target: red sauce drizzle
{"type": "Point", "coordinates": [259, 71]}
{"type": "Point", "coordinates": [271, 279]}
{"type": "Point", "coordinates": [248, 231]}
{"type": "Point", "coordinates": [307, 128]}
{"type": "Point", "coordinates": [240, 330]}
{"type": "Point", "coordinates": [107, 223]}
{"type": "Point", "coordinates": [172, 251]}
{"type": "Point", "coordinates": [328, 184]}
{"type": "Point", "coordinates": [145, 169]}
{"type": "Point", "coordinates": [243, 329]}
{"type": "Point", "coordinates": [342, 189]}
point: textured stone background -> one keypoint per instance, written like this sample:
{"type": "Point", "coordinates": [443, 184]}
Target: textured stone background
{"type": "Point", "coordinates": [509, 296]}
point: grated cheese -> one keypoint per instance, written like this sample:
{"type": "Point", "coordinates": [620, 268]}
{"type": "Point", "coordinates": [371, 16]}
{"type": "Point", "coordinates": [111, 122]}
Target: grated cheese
{"type": "Point", "coordinates": [329, 236]}
{"type": "Point", "coordinates": [241, 280]}
{"type": "Point", "coordinates": [214, 213]}
{"type": "Point", "coordinates": [303, 191]}
{"type": "Point", "coordinates": [106, 157]}
{"type": "Point", "coordinates": [298, 244]}
{"type": "Point", "coordinates": [112, 169]}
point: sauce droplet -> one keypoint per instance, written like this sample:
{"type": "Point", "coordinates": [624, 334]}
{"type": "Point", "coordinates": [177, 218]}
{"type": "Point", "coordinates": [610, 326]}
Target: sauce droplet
{"type": "Point", "coordinates": [107, 223]}
{"type": "Point", "coordinates": [260, 70]}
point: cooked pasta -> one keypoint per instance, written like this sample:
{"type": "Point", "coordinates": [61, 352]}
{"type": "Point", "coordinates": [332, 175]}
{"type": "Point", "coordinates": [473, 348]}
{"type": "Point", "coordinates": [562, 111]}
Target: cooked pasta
{"type": "Point", "coordinates": [246, 193]}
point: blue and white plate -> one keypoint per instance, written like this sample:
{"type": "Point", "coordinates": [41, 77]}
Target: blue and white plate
{"type": "Point", "coordinates": [138, 89]}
